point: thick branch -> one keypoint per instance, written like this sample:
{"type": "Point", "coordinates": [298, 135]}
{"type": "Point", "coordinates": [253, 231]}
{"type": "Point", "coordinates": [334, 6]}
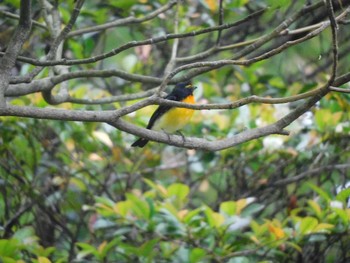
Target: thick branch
{"type": "Point", "coordinates": [14, 47]}
{"type": "Point", "coordinates": [55, 44]}
{"type": "Point", "coordinates": [112, 117]}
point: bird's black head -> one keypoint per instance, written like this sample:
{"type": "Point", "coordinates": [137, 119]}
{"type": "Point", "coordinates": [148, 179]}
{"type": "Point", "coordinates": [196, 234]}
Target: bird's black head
{"type": "Point", "coordinates": [183, 89]}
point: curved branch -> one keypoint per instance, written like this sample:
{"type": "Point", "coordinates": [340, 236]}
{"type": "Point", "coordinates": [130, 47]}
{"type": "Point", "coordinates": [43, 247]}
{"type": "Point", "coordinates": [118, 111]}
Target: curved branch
{"type": "Point", "coordinates": [70, 62]}
{"type": "Point", "coordinates": [113, 118]}
{"type": "Point", "coordinates": [309, 173]}
{"type": "Point", "coordinates": [14, 47]}
{"type": "Point", "coordinates": [55, 44]}
{"type": "Point", "coordinates": [34, 22]}
{"type": "Point", "coordinates": [123, 22]}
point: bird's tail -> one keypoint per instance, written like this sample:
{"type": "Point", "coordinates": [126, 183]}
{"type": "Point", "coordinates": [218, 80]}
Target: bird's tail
{"type": "Point", "coordinates": [140, 143]}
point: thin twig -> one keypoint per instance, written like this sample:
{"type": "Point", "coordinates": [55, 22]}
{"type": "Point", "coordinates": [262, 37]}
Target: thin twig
{"type": "Point", "coordinates": [309, 173]}
{"type": "Point", "coordinates": [334, 28]}
{"type": "Point", "coordinates": [34, 22]}
{"type": "Point", "coordinates": [112, 99]}
{"type": "Point", "coordinates": [261, 40]}
{"type": "Point", "coordinates": [123, 22]}
{"type": "Point", "coordinates": [170, 66]}
{"type": "Point", "coordinates": [132, 44]}
{"type": "Point", "coordinates": [331, 88]}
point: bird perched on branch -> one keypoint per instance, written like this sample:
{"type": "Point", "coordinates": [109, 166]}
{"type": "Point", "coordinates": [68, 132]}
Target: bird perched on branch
{"type": "Point", "coordinates": [168, 118]}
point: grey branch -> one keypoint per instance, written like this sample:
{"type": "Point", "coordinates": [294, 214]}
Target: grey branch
{"type": "Point", "coordinates": [14, 47]}
{"type": "Point", "coordinates": [123, 22]}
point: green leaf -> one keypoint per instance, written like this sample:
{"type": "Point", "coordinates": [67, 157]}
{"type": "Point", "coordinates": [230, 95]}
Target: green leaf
{"type": "Point", "coordinates": [14, 3]}
{"type": "Point", "coordinates": [129, 249]}
{"type": "Point", "coordinates": [109, 246]}
{"type": "Point", "coordinates": [45, 252]}
{"type": "Point", "coordinates": [323, 227]}
{"type": "Point", "coordinates": [214, 219]}
{"type": "Point", "coordinates": [104, 206]}
{"type": "Point", "coordinates": [7, 260]}
{"type": "Point", "coordinates": [139, 207]}
{"type": "Point", "coordinates": [43, 260]}
{"type": "Point", "coordinates": [123, 4]}
{"type": "Point", "coordinates": [158, 188]}
{"type": "Point", "coordinates": [228, 208]}
{"type": "Point", "coordinates": [295, 246]}
{"type": "Point", "coordinates": [277, 82]}
{"type": "Point", "coordinates": [252, 209]}
{"type": "Point", "coordinates": [25, 233]}
{"type": "Point", "coordinates": [104, 200]}
{"type": "Point", "coordinates": [9, 247]}
{"type": "Point", "coordinates": [148, 247]}
{"type": "Point", "coordinates": [321, 192]}
{"type": "Point", "coordinates": [179, 190]}
{"type": "Point", "coordinates": [87, 249]}
{"type": "Point", "coordinates": [197, 255]}
{"type": "Point", "coordinates": [192, 214]}
{"type": "Point", "coordinates": [307, 225]}
{"type": "Point", "coordinates": [315, 208]}
{"type": "Point", "coordinates": [342, 215]}
{"type": "Point", "coordinates": [122, 208]}
{"type": "Point", "coordinates": [343, 195]}
{"type": "Point", "coordinates": [325, 119]}
{"type": "Point", "coordinates": [236, 3]}
{"type": "Point", "coordinates": [170, 223]}
{"type": "Point", "coordinates": [277, 4]}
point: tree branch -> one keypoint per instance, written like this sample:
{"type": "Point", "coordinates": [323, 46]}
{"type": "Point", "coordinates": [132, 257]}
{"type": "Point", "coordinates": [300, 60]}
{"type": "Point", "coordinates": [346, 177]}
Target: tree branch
{"type": "Point", "coordinates": [14, 47]}
{"type": "Point", "coordinates": [69, 62]}
{"type": "Point", "coordinates": [34, 22]}
{"type": "Point", "coordinates": [55, 44]}
{"type": "Point", "coordinates": [123, 22]}
{"type": "Point", "coordinates": [309, 173]}
{"type": "Point", "coordinates": [334, 28]}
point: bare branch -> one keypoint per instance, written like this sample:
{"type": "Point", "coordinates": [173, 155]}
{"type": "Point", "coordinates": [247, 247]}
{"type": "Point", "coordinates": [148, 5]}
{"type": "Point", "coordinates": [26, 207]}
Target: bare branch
{"type": "Point", "coordinates": [309, 173]}
{"type": "Point", "coordinates": [112, 99]}
{"type": "Point", "coordinates": [114, 117]}
{"type": "Point", "coordinates": [172, 60]}
{"type": "Point", "coordinates": [221, 21]}
{"type": "Point", "coordinates": [132, 44]}
{"type": "Point", "coordinates": [339, 90]}
{"type": "Point", "coordinates": [334, 27]}
{"type": "Point", "coordinates": [123, 22]}
{"type": "Point", "coordinates": [34, 22]}
{"type": "Point", "coordinates": [55, 44]}
{"type": "Point", "coordinates": [14, 47]}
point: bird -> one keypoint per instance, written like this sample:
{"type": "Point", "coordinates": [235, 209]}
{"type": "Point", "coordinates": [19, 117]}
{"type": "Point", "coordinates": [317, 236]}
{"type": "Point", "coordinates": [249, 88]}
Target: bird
{"type": "Point", "coordinates": [168, 118]}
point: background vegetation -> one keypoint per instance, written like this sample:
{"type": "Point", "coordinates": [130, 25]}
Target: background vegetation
{"type": "Point", "coordinates": [72, 189]}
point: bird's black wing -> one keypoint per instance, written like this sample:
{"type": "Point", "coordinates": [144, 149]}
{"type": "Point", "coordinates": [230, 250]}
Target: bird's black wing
{"type": "Point", "coordinates": [141, 142]}
{"type": "Point", "coordinates": [160, 111]}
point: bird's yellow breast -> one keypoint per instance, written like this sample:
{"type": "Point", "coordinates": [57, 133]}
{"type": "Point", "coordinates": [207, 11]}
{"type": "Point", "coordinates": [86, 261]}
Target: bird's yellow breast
{"type": "Point", "coordinates": [175, 119]}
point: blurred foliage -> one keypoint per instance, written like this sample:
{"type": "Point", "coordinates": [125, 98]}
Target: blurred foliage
{"type": "Point", "coordinates": [76, 192]}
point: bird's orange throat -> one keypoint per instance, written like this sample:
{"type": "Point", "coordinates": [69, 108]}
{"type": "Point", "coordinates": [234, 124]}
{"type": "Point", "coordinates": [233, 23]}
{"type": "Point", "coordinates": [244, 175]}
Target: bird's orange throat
{"type": "Point", "coordinates": [189, 99]}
